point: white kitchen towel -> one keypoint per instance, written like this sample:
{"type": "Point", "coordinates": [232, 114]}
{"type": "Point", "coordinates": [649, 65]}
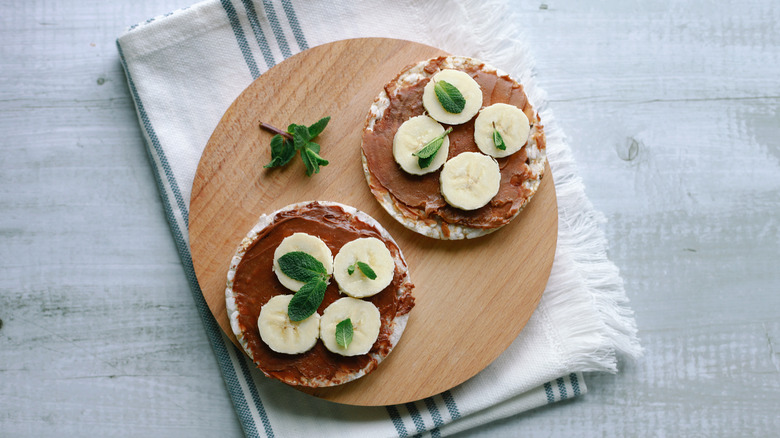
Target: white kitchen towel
{"type": "Point", "coordinates": [185, 68]}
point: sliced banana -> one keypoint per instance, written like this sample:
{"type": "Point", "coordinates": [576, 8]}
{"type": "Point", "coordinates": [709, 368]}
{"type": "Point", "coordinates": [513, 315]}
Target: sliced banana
{"type": "Point", "coordinates": [307, 243]}
{"type": "Point", "coordinates": [371, 251]}
{"type": "Point", "coordinates": [283, 335]}
{"type": "Point", "coordinates": [365, 325]}
{"type": "Point", "coordinates": [509, 120]}
{"type": "Point", "coordinates": [467, 86]}
{"type": "Point", "coordinates": [411, 137]}
{"type": "Point", "coordinates": [470, 180]}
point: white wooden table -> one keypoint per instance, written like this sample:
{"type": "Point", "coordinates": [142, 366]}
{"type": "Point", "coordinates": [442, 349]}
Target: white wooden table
{"type": "Point", "coordinates": [673, 112]}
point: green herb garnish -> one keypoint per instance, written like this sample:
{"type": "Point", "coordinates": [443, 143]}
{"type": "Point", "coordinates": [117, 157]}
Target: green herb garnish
{"type": "Point", "coordinates": [428, 152]}
{"type": "Point", "coordinates": [281, 151]}
{"type": "Point", "coordinates": [306, 301]}
{"type": "Point", "coordinates": [364, 268]}
{"type": "Point", "coordinates": [497, 139]}
{"type": "Point", "coordinates": [344, 333]}
{"type": "Point", "coordinates": [284, 145]}
{"type": "Point", "coordinates": [449, 97]}
{"type": "Point", "coordinates": [301, 266]}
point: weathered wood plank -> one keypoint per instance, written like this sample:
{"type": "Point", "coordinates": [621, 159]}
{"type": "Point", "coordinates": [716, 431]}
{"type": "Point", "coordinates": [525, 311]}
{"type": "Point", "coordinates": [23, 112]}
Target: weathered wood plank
{"type": "Point", "coordinates": [704, 381]}
{"type": "Point", "coordinates": [99, 332]}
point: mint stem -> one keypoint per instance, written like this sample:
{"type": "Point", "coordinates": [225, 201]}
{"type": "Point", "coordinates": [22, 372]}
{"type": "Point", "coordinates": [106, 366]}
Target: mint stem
{"type": "Point", "coordinates": [275, 130]}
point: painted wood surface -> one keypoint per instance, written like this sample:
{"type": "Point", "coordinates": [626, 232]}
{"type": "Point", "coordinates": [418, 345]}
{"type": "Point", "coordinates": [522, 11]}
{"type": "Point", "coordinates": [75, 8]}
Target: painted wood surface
{"type": "Point", "coordinates": [672, 110]}
{"type": "Point", "coordinates": [449, 286]}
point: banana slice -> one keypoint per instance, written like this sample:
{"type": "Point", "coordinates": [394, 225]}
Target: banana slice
{"type": "Point", "coordinates": [510, 121]}
{"type": "Point", "coordinates": [470, 180]}
{"type": "Point", "coordinates": [309, 244]}
{"type": "Point", "coordinates": [371, 251]}
{"type": "Point", "coordinates": [411, 137]}
{"type": "Point", "coordinates": [283, 335]}
{"type": "Point", "coordinates": [467, 86]}
{"type": "Point", "coordinates": [365, 325]}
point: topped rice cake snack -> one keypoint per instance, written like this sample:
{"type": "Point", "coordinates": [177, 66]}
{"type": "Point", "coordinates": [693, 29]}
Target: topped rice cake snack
{"type": "Point", "coordinates": [452, 148]}
{"type": "Point", "coordinates": [318, 294]}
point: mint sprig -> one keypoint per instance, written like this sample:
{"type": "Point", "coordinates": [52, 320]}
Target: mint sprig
{"type": "Point", "coordinates": [284, 145]}
{"type": "Point", "coordinates": [364, 268]}
{"type": "Point", "coordinates": [498, 140]}
{"type": "Point", "coordinates": [426, 155]}
{"type": "Point", "coordinates": [449, 97]}
{"type": "Point", "coordinates": [344, 332]}
{"type": "Point", "coordinates": [301, 266]}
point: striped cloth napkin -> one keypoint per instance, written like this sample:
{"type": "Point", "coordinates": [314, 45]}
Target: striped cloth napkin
{"type": "Point", "coordinates": [185, 68]}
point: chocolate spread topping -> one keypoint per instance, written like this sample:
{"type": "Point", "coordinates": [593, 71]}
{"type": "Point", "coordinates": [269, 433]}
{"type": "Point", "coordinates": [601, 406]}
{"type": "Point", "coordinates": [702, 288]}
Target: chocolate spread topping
{"type": "Point", "coordinates": [420, 195]}
{"type": "Point", "coordinates": [255, 283]}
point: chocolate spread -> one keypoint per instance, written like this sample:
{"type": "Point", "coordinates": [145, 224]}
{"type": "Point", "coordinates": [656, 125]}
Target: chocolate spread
{"type": "Point", "coordinates": [419, 195]}
{"type": "Point", "coordinates": [255, 283]}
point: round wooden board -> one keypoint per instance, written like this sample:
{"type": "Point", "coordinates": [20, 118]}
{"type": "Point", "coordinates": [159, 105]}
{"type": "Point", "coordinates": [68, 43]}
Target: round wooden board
{"type": "Point", "coordinates": [473, 297]}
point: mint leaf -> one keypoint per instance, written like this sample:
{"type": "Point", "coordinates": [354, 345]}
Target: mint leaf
{"type": "Point", "coordinates": [432, 147]}
{"type": "Point", "coordinates": [308, 298]}
{"type": "Point", "coordinates": [366, 270]}
{"type": "Point", "coordinates": [424, 162]}
{"type": "Point", "coordinates": [428, 152]}
{"type": "Point", "coordinates": [301, 136]}
{"type": "Point", "coordinates": [344, 333]}
{"type": "Point", "coordinates": [497, 139]}
{"type": "Point", "coordinates": [301, 266]}
{"type": "Point", "coordinates": [317, 128]}
{"type": "Point", "coordinates": [282, 151]}
{"type": "Point", "coordinates": [315, 154]}
{"type": "Point", "coordinates": [311, 166]}
{"type": "Point", "coordinates": [312, 161]}
{"type": "Point", "coordinates": [449, 97]}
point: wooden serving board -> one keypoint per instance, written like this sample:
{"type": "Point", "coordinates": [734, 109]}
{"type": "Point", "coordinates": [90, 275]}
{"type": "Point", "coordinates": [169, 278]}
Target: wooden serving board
{"type": "Point", "coordinates": [473, 297]}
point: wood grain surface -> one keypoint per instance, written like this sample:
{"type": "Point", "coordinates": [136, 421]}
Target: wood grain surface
{"type": "Point", "coordinates": [462, 288]}
{"type": "Point", "coordinates": [100, 335]}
